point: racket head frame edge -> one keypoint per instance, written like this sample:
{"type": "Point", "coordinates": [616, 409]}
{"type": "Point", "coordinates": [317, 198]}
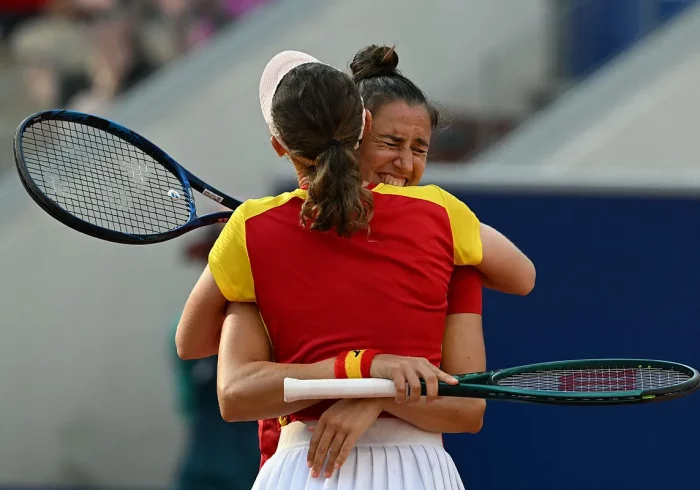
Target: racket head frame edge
{"type": "Point", "coordinates": [96, 231]}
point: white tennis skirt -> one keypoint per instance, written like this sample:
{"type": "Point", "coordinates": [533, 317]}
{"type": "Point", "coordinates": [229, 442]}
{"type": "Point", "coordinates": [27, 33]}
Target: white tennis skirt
{"type": "Point", "coordinates": [391, 455]}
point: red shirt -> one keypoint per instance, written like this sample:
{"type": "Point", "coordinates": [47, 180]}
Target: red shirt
{"type": "Point", "coordinates": [320, 294]}
{"type": "Point", "coordinates": [464, 296]}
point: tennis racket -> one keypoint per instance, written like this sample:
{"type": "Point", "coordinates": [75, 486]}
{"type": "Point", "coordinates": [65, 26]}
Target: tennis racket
{"type": "Point", "coordinates": [580, 382]}
{"type": "Point", "coordinates": [107, 181]}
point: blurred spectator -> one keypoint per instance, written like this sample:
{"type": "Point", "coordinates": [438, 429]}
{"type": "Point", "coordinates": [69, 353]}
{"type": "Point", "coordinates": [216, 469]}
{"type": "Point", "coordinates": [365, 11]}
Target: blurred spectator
{"type": "Point", "coordinates": [81, 54]}
{"type": "Point", "coordinates": [53, 51]}
{"type": "Point", "coordinates": [14, 12]}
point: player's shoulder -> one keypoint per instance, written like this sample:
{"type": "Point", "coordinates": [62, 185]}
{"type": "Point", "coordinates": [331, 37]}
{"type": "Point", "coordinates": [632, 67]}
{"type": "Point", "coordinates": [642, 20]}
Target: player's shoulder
{"type": "Point", "coordinates": [431, 193]}
{"type": "Point", "coordinates": [255, 207]}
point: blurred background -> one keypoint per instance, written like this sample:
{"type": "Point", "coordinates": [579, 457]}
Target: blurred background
{"type": "Point", "coordinates": [572, 129]}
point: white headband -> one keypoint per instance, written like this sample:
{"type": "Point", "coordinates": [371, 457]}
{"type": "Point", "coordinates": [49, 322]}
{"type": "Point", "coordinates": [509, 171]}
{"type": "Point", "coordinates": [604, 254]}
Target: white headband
{"type": "Point", "coordinates": [274, 72]}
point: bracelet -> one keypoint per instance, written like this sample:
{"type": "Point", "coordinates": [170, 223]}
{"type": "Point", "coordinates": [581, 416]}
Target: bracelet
{"type": "Point", "coordinates": [354, 363]}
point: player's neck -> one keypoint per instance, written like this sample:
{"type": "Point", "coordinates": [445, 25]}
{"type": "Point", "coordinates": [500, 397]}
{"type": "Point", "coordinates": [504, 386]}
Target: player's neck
{"type": "Point", "coordinates": [302, 174]}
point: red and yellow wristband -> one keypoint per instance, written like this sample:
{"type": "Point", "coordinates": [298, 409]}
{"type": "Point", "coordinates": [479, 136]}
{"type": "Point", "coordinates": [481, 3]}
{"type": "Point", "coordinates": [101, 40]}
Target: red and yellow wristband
{"type": "Point", "coordinates": [354, 363]}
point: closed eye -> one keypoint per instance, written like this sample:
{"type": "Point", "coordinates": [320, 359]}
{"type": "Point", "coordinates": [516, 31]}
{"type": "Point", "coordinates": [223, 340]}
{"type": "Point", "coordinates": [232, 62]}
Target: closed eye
{"type": "Point", "coordinates": [391, 140]}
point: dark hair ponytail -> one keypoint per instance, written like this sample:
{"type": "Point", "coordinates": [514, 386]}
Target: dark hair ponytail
{"type": "Point", "coordinates": [336, 198]}
{"type": "Point", "coordinates": [318, 113]}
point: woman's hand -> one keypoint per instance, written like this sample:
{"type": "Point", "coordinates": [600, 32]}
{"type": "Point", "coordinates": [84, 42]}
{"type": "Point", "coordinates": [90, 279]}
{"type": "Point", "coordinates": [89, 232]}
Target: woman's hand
{"type": "Point", "coordinates": [409, 370]}
{"type": "Point", "coordinates": [337, 431]}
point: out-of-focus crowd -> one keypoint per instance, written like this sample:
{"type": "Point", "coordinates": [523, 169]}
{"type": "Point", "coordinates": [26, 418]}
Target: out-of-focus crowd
{"type": "Point", "coordinates": [80, 54]}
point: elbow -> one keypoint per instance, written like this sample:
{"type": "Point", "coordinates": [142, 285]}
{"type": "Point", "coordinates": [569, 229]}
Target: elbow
{"type": "Point", "coordinates": [189, 350]}
{"type": "Point", "coordinates": [473, 421]}
{"type": "Point", "coordinates": [527, 281]}
{"type": "Point", "coordinates": [475, 426]}
{"type": "Point", "coordinates": [521, 279]}
{"type": "Point", "coordinates": [229, 414]}
{"type": "Point", "coordinates": [185, 351]}
{"type": "Point", "coordinates": [227, 406]}
{"type": "Point", "coordinates": [182, 351]}
{"type": "Point", "coordinates": [184, 354]}
{"type": "Point", "coordinates": [232, 404]}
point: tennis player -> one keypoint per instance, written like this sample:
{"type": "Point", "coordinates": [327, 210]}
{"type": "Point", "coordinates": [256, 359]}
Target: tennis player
{"type": "Point", "coordinates": [395, 151]}
{"type": "Point", "coordinates": [416, 237]}
{"type": "Point", "coordinates": [395, 148]}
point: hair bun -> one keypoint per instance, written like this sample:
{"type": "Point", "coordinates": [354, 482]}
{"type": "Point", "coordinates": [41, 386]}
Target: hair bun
{"type": "Point", "coordinates": [374, 61]}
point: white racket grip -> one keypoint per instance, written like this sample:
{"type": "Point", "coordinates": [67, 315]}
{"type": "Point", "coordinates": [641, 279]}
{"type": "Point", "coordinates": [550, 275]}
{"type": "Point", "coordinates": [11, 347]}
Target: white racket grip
{"type": "Point", "coordinates": [326, 389]}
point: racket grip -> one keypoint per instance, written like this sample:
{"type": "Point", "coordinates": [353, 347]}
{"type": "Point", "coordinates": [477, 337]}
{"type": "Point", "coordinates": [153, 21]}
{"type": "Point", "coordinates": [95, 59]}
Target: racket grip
{"type": "Point", "coordinates": [329, 389]}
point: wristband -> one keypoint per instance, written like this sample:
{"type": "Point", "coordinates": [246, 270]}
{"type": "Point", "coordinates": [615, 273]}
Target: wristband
{"type": "Point", "coordinates": [339, 366]}
{"type": "Point", "coordinates": [354, 363]}
{"type": "Point", "coordinates": [366, 361]}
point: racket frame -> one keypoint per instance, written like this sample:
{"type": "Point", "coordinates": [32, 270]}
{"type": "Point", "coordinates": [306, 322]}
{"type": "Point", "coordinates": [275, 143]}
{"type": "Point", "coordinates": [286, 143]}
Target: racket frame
{"type": "Point", "coordinates": [584, 397]}
{"type": "Point", "coordinates": [485, 385]}
{"type": "Point", "coordinates": [188, 180]}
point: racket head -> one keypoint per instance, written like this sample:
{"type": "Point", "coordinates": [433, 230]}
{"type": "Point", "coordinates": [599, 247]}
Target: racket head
{"type": "Point", "coordinates": [102, 179]}
{"type": "Point", "coordinates": [598, 381]}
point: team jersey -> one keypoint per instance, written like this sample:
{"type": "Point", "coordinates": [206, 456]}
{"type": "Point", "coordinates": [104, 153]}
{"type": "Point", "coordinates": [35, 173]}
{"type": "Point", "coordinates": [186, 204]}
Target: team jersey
{"type": "Point", "coordinates": [464, 296]}
{"type": "Point", "coordinates": [320, 294]}
{"type": "Point", "coordinates": [269, 431]}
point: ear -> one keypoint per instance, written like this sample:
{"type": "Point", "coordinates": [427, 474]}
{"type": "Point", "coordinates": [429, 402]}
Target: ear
{"type": "Point", "coordinates": [368, 123]}
{"type": "Point", "coordinates": [278, 147]}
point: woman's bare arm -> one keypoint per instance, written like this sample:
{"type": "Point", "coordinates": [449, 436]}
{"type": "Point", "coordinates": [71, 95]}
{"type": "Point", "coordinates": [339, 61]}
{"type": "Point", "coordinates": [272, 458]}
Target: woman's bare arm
{"type": "Point", "coordinates": [463, 352]}
{"type": "Point", "coordinates": [503, 266]}
{"type": "Point", "coordinates": [250, 386]}
{"type": "Point", "coordinates": [199, 329]}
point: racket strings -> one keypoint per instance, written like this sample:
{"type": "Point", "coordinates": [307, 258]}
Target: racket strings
{"type": "Point", "coordinates": [102, 179]}
{"type": "Point", "coordinates": [596, 380]}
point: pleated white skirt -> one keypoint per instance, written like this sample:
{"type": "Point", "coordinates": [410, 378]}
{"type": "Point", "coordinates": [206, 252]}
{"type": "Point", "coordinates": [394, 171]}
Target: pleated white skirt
{"type": "Point", "coordinates": [391, 455]}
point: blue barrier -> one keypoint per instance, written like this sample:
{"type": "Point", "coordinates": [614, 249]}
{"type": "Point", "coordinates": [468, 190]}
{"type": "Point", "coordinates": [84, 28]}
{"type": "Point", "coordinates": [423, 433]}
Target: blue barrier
{"type": "Point", "coordinates": [598, 30]}
{"type": "Point", "coordinates": [667, 9]}
{"type": "Point", "coordinates": [617, 277]}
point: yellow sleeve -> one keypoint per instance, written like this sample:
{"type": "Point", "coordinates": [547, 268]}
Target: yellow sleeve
{"type": "Point", "coordinates": [229, 262]}
{"type": "Point", "coordinates": [465, 231]}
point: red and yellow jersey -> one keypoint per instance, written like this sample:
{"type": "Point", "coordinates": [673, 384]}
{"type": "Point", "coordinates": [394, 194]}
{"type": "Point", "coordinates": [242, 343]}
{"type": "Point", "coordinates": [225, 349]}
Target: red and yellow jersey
{"type": "Point", "coordinates": [320, 294]}
{"type": "Point", "coordinates": [465, 294]}
{"type": "Point", "coordinates": [269, 436]}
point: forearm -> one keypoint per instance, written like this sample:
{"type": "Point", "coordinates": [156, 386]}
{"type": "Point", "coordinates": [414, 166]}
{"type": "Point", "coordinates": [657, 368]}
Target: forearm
{"type": "Point", "coordinates": [255, 391]}
{"type": "Point", "coordinates": [463, 352]}
{"type": "Point", "coordinates": [447, 414]}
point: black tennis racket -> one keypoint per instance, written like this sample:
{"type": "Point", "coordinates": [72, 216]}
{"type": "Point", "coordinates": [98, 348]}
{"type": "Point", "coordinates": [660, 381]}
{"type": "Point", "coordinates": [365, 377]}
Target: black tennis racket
{"type": "Point", "coordinates": [581, 382]}
{"type": "Point", "coordinates": [107, 181]}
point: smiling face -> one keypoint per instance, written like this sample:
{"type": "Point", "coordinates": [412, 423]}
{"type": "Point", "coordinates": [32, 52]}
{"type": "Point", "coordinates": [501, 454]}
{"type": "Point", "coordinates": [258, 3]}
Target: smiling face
{"type": "Point", "coordinates": [395, 150]}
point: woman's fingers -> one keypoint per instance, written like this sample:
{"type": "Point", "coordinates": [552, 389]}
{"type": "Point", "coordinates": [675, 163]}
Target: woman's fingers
{"type": "Point", "coordinates": [335, 449]}
{"type": "Point", "coordinates": [414, 384]}
{"type": "Point", "coordinates": [399, 378]}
